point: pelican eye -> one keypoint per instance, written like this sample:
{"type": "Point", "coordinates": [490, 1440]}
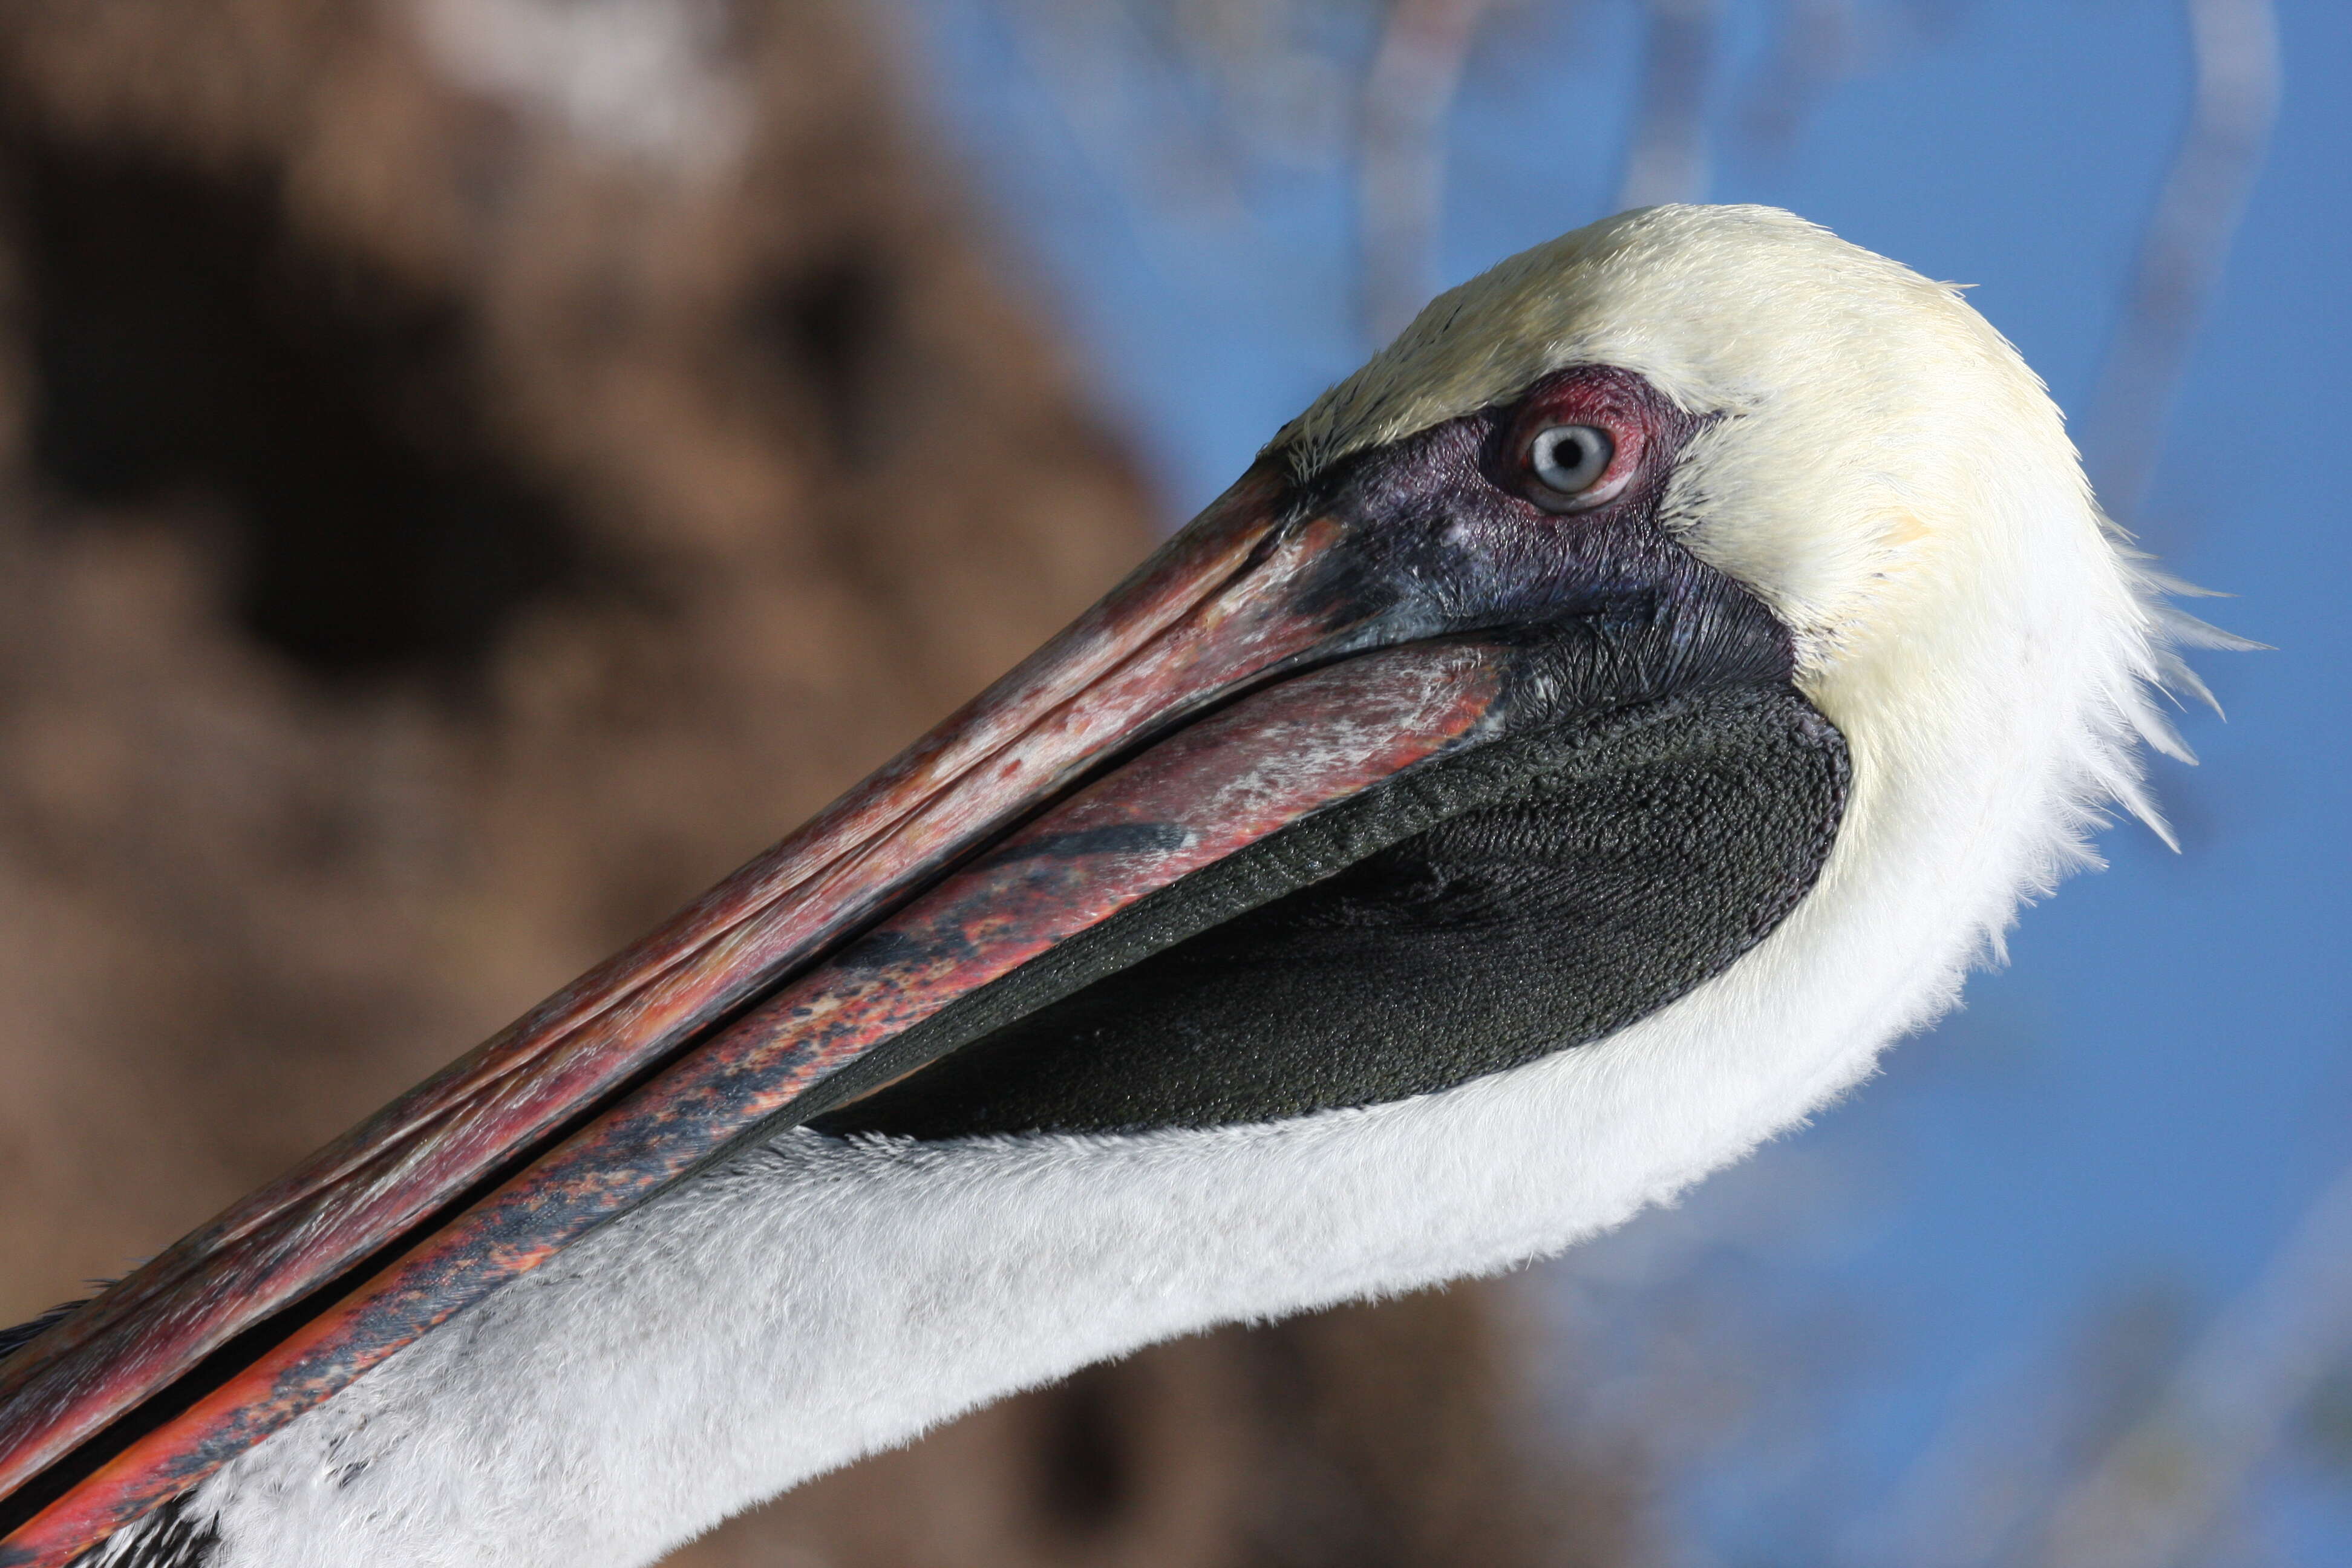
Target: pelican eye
{"type": "Point", "coordinates": [1569, 460]}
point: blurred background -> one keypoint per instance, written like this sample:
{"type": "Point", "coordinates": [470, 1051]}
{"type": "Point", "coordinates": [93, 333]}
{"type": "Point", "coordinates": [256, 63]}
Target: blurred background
{"type": "Point", "coordinates": [472, 471]}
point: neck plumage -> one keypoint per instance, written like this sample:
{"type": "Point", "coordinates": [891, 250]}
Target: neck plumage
{"type": "Point", "coordinates": [819, 1300]}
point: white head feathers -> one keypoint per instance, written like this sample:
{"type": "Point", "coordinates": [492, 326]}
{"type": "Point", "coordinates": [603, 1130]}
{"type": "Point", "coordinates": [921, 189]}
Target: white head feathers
{"type": "Point", "coordinates": [1884, 470]}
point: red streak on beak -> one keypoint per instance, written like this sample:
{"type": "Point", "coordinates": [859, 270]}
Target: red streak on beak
{"type": "Point", "coordinates": [1111, 674]}
{"type": "Point", "coordinates": [1215, 608]}
{"type": "Point", "coordinates": [1210, 790]}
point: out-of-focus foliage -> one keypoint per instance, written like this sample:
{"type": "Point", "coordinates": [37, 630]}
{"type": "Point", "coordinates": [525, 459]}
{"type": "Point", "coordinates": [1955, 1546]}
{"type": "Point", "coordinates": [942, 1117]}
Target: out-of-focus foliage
{"type": "Point", "coordinates": [1194, 105]}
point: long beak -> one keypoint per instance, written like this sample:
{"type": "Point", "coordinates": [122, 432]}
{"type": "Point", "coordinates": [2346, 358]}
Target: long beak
{"type": "Point", "coordinates": [1089, 777]}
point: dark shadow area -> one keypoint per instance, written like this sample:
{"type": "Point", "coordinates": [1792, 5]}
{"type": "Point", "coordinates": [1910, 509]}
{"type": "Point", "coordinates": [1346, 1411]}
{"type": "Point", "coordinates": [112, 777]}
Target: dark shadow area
{"type": "Point", "coordinates": [832, 328]}
{"type": "Point", "coordinates": [1084, 1470]}
{"type": "Point", "coordinates": [187, 346]}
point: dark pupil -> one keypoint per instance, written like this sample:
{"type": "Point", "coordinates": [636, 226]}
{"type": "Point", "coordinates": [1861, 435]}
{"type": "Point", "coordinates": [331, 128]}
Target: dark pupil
{"type": "Point", "coordinates": [1570, 454]}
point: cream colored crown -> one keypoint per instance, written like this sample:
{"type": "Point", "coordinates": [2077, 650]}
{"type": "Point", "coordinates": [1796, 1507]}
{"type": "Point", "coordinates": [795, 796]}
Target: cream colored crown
{"type": "Point", "coordinates": [1871, 418]}
{"type": "Point", "coordinates": [1884, 470]}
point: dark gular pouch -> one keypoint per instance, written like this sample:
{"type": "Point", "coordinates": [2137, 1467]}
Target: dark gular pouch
{"type": "Point", "coordinates": [1572, 882]}
{"type": "Point", "coordinates": [1656, 798]}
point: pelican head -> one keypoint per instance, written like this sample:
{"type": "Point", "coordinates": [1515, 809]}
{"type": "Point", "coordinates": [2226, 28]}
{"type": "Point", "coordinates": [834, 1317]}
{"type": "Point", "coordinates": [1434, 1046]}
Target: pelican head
{"type": "Point", "coordinates": [1570, 752]}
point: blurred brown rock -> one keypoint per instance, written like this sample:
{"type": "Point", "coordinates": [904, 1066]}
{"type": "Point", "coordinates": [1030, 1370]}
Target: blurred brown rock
{"type": "Point", "coordinates": [472, 471]}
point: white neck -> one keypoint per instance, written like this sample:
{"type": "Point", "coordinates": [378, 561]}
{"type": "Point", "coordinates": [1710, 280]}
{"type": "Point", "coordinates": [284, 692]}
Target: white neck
{"type": "Point", "coordinates": [818, 1300]}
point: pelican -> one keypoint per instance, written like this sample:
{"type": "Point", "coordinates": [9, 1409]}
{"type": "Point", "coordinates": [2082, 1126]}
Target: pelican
{"type": "Point", "coordinates": [1576, 746]}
